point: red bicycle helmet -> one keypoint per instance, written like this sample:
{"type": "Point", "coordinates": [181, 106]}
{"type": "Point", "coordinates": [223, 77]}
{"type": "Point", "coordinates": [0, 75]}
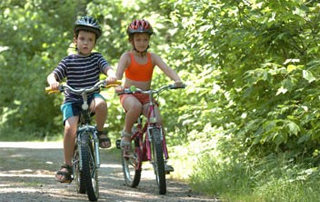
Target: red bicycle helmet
{"type": "Point", "coordinates": [89, 24]}
{"type": "Point", "coordinates": [139, 26]}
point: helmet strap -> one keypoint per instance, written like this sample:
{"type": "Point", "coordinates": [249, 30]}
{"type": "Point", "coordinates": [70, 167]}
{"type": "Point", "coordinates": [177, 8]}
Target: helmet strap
{"type": "Point", "coordinates": [141, 52]}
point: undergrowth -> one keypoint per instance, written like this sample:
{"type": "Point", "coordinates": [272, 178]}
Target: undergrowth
{"type": "Point", "coordinates": [271, 179]}
{"type": "Point", "coordinates": [221, 168]}
{"type": "Point", "coordinates": [15, 135]}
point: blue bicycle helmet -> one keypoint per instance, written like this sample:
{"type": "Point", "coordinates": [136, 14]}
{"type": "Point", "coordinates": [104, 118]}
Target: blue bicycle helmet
{"type": "Point", "coordinates": [89, 24]}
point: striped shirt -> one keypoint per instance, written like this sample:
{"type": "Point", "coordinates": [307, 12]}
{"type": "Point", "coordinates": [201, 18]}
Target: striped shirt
{"type": "Point", "coordinates": [81, 72]}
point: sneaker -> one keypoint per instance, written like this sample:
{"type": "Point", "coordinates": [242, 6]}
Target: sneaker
{"type": "Point", "coordinates": [168, 168]}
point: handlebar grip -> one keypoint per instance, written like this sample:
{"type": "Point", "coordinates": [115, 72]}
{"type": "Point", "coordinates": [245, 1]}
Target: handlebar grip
{"type": "Point", "coordinates": [50, 91]}
{"type": "Point", "coordinates": [176, 87]}
{"type": "Point", "coordinates": [113, 84]}
{"type": "Point", "coordinates": [118, 82]}
{"type": "Point", "coordinates": [47, 89]}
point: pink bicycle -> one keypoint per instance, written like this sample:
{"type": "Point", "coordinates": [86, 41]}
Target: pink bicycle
{"type": "Point", "coordinates": [148, 144]}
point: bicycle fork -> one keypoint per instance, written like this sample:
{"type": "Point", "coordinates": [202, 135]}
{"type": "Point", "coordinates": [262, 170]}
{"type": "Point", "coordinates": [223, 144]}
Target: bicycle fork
{"type": "Point", "coordinates": [149, 140]}
{"type": "Point", "coordinates": [82, 142]}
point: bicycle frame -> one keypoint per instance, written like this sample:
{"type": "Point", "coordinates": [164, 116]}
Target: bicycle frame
{"type": "Point", "coordinates": [144, 132]}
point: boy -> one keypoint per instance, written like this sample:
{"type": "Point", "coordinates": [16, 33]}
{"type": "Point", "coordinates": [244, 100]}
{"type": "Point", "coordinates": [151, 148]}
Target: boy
{"type": "Point", "coordinates": [81, 70]}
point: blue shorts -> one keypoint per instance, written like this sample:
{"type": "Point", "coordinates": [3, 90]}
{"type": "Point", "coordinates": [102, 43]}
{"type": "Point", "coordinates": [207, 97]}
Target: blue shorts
{"type": "Point", "coordinates": [70, 109]}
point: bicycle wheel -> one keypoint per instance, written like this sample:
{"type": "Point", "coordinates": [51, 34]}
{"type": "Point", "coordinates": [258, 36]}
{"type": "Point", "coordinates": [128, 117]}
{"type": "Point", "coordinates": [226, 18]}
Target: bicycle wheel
{"type": "Point", "coordinates": [158, 161]}
{"type": "Point", "coordinates": [76, 172]}
{"type": "Point", "coordinates": [89, 172]}
{"type": "Point", "coordinates": [131, 165]}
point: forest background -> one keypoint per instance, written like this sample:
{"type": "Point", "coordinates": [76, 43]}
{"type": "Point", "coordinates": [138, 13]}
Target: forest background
{"type": "Point", "coordinates": [246, 128]}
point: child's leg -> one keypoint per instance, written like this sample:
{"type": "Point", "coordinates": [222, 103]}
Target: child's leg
{"type": "Point", "coordinates": [133, 108]}
{"type": "Point", "coordinates": [100, 108]}
{"type": "Point", "coordinates": [70, 130]}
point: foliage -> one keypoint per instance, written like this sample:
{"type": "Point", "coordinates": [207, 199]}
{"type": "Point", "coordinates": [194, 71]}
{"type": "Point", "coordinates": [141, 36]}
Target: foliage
{"type": "Point", "coordinates": [31, 40]}
{"type": "Point", "coordinates": [253, 69]}
{"type": "Point", "coordinates": [258, 79]}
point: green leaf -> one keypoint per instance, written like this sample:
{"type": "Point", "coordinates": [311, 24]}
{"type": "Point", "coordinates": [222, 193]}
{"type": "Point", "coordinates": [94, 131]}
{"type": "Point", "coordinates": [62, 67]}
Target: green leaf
{"type": "Point", "coordinates": [293, 127]}
{"type": "Point", "coordinates": [308, 76]}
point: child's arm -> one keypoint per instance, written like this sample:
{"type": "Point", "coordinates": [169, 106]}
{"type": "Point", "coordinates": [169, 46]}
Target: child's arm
{"type": "Point", "coordinates": [122, 65]}
{"type": "Point", "coordinates": [52, 81]}
{"type": "Point", "coordinates": [109, 71]}
{"type": "Point", "coordinates": [110, 74]}
{"type": "Point", "coordinates": [167, 70]}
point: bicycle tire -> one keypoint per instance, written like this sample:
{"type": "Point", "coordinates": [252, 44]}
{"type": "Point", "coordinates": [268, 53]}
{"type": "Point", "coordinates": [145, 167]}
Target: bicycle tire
{"type": "Point", "coordinates": [131, 165]}
{"type": "Point", "coordinates": [89, 173]}
{"type": "Point", "coordinates": [158, 160]}
{"type": "Point", "coordinates": [76, 172]}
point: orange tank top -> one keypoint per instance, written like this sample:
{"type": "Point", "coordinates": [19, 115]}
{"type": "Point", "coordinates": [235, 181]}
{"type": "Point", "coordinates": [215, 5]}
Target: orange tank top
{"type": "Point", "coordinates": [139, 72]}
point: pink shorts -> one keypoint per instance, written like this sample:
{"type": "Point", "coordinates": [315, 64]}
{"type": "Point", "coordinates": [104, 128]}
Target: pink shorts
{"type": "Point", "coordinates": [143, 98]}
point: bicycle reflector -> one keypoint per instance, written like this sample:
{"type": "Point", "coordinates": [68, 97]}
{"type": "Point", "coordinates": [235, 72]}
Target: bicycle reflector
{"type": "Point", "coordinates": [133, 88]}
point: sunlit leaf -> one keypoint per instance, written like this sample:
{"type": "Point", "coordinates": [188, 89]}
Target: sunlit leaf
{"type": "Point", "coordinates": [308, 76]}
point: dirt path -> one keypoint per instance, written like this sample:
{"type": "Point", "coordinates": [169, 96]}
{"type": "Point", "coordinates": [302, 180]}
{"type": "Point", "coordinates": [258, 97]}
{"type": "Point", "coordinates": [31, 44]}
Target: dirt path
{"type": "Point", "coordinates": [27, 170]}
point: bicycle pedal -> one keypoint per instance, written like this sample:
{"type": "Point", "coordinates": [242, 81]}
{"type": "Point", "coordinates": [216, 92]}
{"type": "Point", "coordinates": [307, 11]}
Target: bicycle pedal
{"type": "Point", "coordinates": [118, 142]}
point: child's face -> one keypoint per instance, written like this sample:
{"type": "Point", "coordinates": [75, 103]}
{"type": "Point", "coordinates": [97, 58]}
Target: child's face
{"type": "Point", "coordinates": [85, 42]}
{"type": "Point", "coordinates": [141, 41]}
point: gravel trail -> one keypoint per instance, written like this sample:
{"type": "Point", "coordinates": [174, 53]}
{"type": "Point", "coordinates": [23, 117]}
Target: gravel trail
{"type": "Point", "coordinates": [27, 174]}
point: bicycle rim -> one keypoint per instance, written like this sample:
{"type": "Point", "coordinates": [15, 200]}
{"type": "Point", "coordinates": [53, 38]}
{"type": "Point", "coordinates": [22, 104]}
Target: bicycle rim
{"type": "Point", "coordinates": [131, 164]}
{"type": "Point", "coordinates": [158, 161]}
{"type": "Point", "coordinates": [89, 173]}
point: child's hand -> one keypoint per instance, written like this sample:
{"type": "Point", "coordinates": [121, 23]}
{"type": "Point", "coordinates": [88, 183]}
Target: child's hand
{"type": "Point", "coordinates": [52, 81]}
{"type": "Point", "coordinates": [54, 85]}
{"type": "Point", "coordinates": [178, 83]}
{"type": "Point", "coordinates": [119, 89]}
{"type": "Point", "coordinates": [111, 79]}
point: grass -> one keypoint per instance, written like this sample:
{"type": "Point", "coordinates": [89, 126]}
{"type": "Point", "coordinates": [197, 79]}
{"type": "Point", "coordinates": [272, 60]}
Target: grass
{"type": "Point", "coordinates": [12, 135]}
{"type": "Point", "coordinates": [221, 168]}
{"type": "Point", "coordinates": [269, 180]}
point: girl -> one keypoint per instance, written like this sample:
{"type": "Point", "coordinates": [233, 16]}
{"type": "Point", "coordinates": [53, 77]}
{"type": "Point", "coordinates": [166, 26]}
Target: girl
{"type": "Point", "coordinates": [138, 65]}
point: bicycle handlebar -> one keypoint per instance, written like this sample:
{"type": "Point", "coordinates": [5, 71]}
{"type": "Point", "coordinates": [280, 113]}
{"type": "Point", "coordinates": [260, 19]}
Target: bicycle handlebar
{"type": "Point", "coordinates": [134, 89]}
{"type": "Point", "coordinates": [100, 84]}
